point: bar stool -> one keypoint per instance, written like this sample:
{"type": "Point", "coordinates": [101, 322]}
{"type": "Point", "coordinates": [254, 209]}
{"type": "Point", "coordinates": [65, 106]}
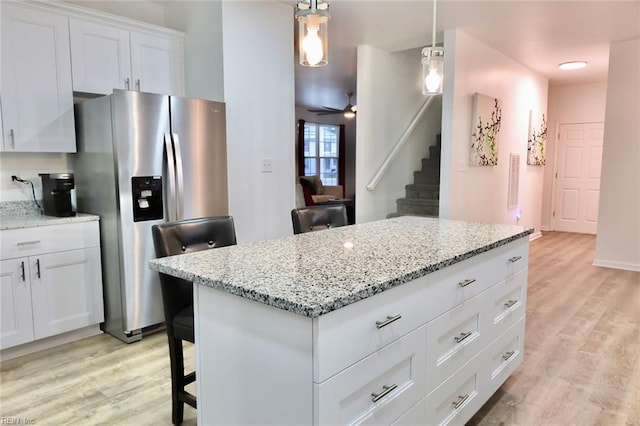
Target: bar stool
{"type": "Point", "coordinates": [318, 217]}
{"type": "Point", "coordinates": [171, 238]}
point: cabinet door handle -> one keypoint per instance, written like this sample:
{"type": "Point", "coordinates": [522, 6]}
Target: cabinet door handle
{"type": "Point", "coordinates": [138, 84]}
{"type": "Point", "coordinates": [126, 83]}
{"type": "Point", "coordinates": [460, 401]}
{"type": "Point", "coordinates": [38, 268]}
{"type": "Point", "coordinates": [510, 303]}
{"type": "Point", "coordinates": [462, 336]}
{"type": "Point", "coordinates": [467, 282]}
{"type": "Point", "coordinates": [22, 275]}
{"type": "Point", "coordinates": [515, 259]}
{"type": "Point", "coordinates": [508, 355]}
{"type": "Point", "coordinates": [27, 243]}
{"type": "Point", "coordinates": [12, 135]}
{"type": "Point", "coordinates": [389, 320]}
{"type": "Point", "coordinates": [375, 397]}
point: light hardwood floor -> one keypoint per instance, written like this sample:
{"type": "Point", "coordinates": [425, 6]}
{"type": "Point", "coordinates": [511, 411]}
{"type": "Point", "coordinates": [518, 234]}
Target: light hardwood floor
{"type": "Point", "coordinates": [581, 366]}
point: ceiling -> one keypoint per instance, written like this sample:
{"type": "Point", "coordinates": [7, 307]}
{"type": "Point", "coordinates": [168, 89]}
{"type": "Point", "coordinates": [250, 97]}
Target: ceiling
{"type": "Point", "coordinates": [538, 34]}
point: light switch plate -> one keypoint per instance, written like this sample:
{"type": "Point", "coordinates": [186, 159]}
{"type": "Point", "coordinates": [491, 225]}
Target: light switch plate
{"type": "Point", "coordinates": [266, 165]}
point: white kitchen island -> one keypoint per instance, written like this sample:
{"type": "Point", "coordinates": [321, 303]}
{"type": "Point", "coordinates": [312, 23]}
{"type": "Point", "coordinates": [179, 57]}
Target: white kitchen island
{"type": "Point", "coordinates": [402, 321]}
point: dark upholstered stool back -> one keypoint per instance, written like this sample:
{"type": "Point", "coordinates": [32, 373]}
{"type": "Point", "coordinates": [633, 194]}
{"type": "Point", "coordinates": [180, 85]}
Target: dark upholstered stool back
{"type": "Point", "coordinates": [318, 217]}
{"type": "Point", "coordinates": [185, 236]}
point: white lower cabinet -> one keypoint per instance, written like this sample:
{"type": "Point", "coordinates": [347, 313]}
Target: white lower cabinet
{"type": "Point", "coordinates": [49, 292]}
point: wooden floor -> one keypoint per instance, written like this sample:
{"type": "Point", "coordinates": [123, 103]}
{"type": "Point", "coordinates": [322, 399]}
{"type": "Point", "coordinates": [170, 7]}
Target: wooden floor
{"type": "Point", "coordinates": [581, 366]}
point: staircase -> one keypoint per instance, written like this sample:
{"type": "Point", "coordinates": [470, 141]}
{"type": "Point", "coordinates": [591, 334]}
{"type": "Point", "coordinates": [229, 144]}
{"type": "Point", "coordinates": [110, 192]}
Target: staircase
{"type": "Point", "coordinates": [423, 195]}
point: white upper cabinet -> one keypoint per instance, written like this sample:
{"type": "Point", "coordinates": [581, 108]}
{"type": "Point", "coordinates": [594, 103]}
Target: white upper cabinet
{"type": "Point", "coordinates": [35, 86]}
{"type": "Point", "coordinates": [156, 64]}
{"type": "Point", "coordinates": [105, 57]}
{"type": "Point", "coordinates": [100, 57]}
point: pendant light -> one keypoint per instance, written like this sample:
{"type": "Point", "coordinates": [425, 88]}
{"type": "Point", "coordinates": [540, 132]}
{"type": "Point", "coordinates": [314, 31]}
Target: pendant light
{"type": "Point", "coordinates": [312, 16]}
{"type": "Point", "coordinates": [432, 64]}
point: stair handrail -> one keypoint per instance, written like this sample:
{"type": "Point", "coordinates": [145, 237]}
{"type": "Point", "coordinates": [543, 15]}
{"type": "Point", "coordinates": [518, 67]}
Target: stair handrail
{"type": "Point", "coordinates": [399, 144]}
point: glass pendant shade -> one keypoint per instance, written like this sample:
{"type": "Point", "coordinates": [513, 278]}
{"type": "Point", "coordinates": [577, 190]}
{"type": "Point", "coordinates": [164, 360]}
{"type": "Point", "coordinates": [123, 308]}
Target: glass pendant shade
{"type": "Point", "coordinates": [313, 16]}
{"type": "Point", "coordinates": [432, 70]}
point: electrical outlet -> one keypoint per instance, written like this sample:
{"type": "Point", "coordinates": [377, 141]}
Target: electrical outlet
{"type": "Point", "coordinates": [266, 165]}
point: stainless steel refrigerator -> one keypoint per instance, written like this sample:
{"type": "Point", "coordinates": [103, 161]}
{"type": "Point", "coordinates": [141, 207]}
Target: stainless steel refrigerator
{"type": "Point", "coordinates": [145, 159]}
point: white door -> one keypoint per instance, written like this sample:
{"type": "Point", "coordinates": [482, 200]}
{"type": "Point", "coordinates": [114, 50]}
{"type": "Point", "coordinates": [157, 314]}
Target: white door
{"type": "Point", "coordinates": [37, 97]}
{"type": "Point", "coordinates": [156, 64]}
{"type": "Point", "coordinates": [100, 57]}
{"type": "Point", "coordinates": [66, 291]}
{"type": "Point", "coordinates": [16, 322]}
{"type": "Point", "coordinates": [577, 179]}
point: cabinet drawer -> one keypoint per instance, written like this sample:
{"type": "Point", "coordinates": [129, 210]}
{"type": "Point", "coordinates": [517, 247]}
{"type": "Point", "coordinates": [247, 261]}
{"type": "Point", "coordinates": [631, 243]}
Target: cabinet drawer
{"type": "Point", "coordinates": [454, 338]}
{"type": "Point", "coordinates": [46, 239]}
{"type": "Point", "coordinates": [376, 390]}
{"type": "Point", "coordinates": [347, 335]}
{"type": "Point", "coordinates": [507, 302]}
{"type": "Point", "coordinates": [504, 356]}
{"type": "Point", "coordinates": [462, 281]}
{"type": "Point", "coordinates": [457, 399]}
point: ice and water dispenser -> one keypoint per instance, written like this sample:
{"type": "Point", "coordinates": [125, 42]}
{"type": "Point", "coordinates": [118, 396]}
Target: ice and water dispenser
{"type": "Point", "coordinates": [147, 198]}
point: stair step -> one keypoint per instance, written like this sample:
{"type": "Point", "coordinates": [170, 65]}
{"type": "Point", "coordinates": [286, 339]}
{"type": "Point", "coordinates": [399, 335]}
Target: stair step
{"type": "Point", "coordinates": [429, 177]}
{"type": "Point", "coordinates": [430, 164]}
{"type": "Point", "coordinates": [418, 206]}
{"type": "Point", "coordinates": [431, 192]}
{"type": "Point", "coordinates": [434, 151]}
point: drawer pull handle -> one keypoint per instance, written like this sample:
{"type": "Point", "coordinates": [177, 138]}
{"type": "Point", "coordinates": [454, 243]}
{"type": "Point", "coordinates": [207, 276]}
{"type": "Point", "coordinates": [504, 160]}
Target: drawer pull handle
{"type": "Point", "coordinates": [389, 320]}
{"type": "Point", "coordinates": [38, 268]}
{"type": "Point", "coordinates": [515, 259]}
{"type": "Point", "coordinates": [375, 397]}
{"type": "Point", "coordinates": [508, 355]}
{"type": "Point", "coordinates": [22, 275]}
{"type": "Point", "coordinates": [510, 303]}
{"type": "Point", "coordinates": [462, 336]}
{"type": "Point", "coordinates": [28, 243]}
{"type": "Point", "coordinates": [461, 399]}
{"type": "Point", "coordinates": [467, 282]}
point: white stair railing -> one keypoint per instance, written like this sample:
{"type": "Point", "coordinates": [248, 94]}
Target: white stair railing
{"type": "Point", "coordinates": [398, 146]}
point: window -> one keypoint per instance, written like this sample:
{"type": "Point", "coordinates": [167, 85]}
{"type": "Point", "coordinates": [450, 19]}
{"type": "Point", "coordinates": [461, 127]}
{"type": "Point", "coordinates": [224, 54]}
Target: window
{"type": "Point", "coordinates": [321, 148]}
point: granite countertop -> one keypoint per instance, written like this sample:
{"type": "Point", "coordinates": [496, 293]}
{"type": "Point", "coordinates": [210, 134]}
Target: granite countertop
{"type": "Point", "coordinates": [315, 273]}
{"type": "Point", "coordinates": [32, 220]}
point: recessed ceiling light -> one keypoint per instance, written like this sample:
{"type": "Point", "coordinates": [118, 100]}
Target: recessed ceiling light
{"type": "Point", "coordinates": [573, 65]}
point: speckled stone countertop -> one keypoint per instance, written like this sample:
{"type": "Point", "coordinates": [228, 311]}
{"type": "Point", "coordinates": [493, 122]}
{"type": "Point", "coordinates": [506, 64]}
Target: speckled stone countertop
{"type": "Point", "coordinates": [315, 273]}
{"type": "Point", "coordinates": [18, 214]}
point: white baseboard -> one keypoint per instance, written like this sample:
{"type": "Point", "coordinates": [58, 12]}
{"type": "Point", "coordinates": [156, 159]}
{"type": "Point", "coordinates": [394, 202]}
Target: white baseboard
{"type": "Point", "coordinates": [616, 265]}
{"type": "Point", "coordinates": [546, 228]}
{"type": "Point", "coordinates": [535, 235]}
{"type": "Point", "coordinates": [49, 342]}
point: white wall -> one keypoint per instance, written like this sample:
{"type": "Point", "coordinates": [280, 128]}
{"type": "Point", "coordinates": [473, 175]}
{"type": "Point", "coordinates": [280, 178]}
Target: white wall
{"type": "Point", "coordinates": [27, 166]}
{"type": "Point", "coordinates": [389, 96]}
{"type": "Point", "coordinates": [579, 103]}
{"type": "Point", "coordinates": [480, 193]}
{"type": "Point", "coordinates": [259, 93]}
{"type": "Point", "coordinates": [202, 23]}
{"type": "Point", "coordinates": [618, 240]}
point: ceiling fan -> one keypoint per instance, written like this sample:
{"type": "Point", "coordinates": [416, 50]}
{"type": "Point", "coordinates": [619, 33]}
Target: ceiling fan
{"type": "Point", "coordinates": [348, 111]}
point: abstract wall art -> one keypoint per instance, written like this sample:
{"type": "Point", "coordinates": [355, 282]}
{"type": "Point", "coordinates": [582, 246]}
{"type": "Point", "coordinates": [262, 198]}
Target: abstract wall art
{"type": "Point", "coordinates": [537, 140]}
{"type": "Point", "coordinates": [487, 115]}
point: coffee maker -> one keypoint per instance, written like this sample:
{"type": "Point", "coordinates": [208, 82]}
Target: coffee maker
{"type": "Point", "coordinates": [56, 194]}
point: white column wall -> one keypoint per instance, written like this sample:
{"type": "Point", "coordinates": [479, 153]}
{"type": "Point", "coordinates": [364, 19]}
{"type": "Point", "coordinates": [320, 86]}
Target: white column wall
{"type": "Point", "coordinates": [577, 103]}
{"type": "Point", "coordinates": [480, 193]}
{"type": "Point", "coordinates": [618, 239]}
{"type": "Point", "coordinates": [259, 93]}
{"type": "Point", "coordinates": [389, 96]}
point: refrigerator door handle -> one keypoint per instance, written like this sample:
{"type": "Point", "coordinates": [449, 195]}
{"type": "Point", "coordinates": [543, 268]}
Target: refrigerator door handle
{"type": "Point", "coordinates": [171, 178]}
{"type": "Point", "coordinates": [179, 177]}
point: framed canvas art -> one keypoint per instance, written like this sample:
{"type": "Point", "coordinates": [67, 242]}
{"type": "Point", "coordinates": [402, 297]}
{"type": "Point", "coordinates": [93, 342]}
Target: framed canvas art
{"type": "Point", "coordinates": [537, 140]}
{"type": "Point", "coordinates": [487, 115]}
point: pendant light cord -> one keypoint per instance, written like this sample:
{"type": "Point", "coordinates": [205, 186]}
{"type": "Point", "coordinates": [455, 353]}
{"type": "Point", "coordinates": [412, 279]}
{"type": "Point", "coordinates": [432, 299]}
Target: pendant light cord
{"type": "Point", "coordinates": [433, 38]}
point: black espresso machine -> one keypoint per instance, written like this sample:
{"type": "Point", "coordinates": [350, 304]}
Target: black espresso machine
{"type": "Point", "coordinates": [56, 194]}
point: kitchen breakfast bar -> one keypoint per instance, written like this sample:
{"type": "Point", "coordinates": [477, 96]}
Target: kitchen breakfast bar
{"type": "Point", "coordinates": [404, 321]}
